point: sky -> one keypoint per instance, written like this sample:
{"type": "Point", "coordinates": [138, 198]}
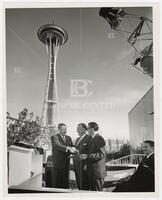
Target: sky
{"type": "Point", "coordinates": [94, 55]}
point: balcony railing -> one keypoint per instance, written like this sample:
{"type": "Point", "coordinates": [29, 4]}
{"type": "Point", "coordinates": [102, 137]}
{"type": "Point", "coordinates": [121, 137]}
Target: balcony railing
{"type": "Point", "coordinates": [133, 159]}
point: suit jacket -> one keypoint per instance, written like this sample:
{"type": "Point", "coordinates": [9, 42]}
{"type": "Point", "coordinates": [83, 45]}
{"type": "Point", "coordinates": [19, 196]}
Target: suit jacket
{"type": "Point", "coordinates": [60, 156]}
{"type": "Point", "coordinates": [143, 178]}
{"type": "Point", "coordinates": [96, 158]}
{"type": "Point", "coordinates": [82, 146]}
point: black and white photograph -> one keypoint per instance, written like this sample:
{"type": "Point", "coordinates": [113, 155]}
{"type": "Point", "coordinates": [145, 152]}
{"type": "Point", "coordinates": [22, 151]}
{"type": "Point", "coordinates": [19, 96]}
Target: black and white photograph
{"type": "Point", "coordinates": [80, 100]}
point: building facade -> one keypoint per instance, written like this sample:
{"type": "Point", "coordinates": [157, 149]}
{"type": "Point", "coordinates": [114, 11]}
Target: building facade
{"type": "Point", "coordinates": [114, 145]}
{"type": "Point", "coordinates": [141, 120]}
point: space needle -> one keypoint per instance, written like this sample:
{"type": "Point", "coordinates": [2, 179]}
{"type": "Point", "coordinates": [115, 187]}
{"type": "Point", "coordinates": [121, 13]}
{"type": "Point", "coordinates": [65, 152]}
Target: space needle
{"type": "Point", "coordinates": [53, 36]}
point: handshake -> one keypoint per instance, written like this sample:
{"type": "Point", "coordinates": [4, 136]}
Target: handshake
{"type": "Point", "coordinates": [73, 150]}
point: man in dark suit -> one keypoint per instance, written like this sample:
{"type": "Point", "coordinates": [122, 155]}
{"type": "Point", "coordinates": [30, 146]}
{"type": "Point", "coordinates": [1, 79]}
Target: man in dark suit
{"type": "Point", "coordinates": [61, 149]}
{"type": "Point", "coordinates": [80, 166]}
{"type": "Point", "coordinates": [143, 178]}
{"type": "Point", "coordinates": [96, 166]}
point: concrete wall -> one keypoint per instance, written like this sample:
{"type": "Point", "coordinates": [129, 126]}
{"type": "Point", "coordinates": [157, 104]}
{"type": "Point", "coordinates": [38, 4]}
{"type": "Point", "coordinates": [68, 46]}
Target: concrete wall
{"type": "Point", "coordinates": [25, 167]}
{"type": "Point", "coordinates": [141, 120]}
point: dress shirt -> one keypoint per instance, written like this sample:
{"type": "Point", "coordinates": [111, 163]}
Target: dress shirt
{"type": "Point", "coordinates": [150, 154]}
{"type": "Point", "coordinates": [94, 134]}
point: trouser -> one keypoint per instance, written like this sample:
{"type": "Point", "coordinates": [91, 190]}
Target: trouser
{"type": "Point", "coordinates": [60, 178]}
{"type": "Point", "coordinates": [82, 180]}
{"type": "Point", "coordinates": [48, 176]}
{"type": "Point", "coordinates": [96, 184]}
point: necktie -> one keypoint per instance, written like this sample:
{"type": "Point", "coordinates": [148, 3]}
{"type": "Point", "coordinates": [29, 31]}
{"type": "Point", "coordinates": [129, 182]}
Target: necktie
{"type": "Point", "coordinates": [64, 138]}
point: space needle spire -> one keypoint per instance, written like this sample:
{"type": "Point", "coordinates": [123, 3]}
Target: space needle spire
{"type": "Point", "coordinates": [53, 36]}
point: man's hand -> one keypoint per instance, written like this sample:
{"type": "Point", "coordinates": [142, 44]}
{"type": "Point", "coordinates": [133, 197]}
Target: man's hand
{"type": "Point", "coordinates": [83, 156]}
{"type": "Point", "coordinates": [73, 150]}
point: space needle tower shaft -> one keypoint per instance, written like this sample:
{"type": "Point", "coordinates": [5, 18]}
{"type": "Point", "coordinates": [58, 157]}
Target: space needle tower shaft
{"type": "Point", "coordinates": [53, 37]}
